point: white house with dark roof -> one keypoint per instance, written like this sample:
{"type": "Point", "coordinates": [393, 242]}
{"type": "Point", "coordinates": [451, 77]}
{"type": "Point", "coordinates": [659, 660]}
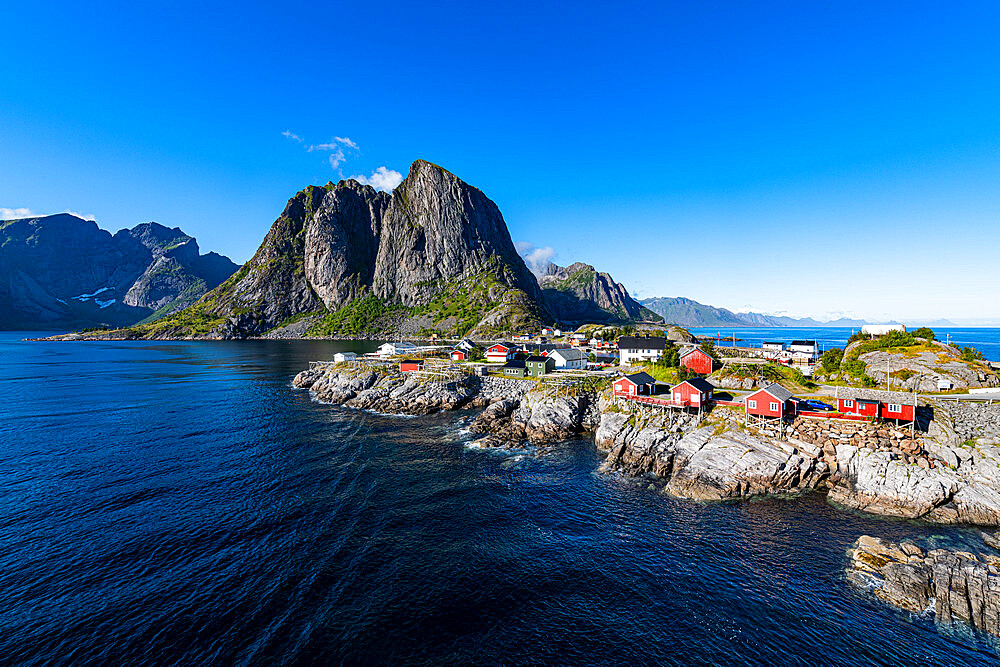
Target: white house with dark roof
{"type": "Point", "coordinates": [569, 357]}
{"type": "Point", "coordinates": [641, 348]}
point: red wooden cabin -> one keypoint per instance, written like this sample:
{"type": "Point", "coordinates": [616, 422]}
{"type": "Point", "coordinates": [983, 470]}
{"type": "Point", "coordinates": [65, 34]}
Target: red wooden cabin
{"type": "Point", "coordinates": [634, 385]}
{"type": "Point", "coordinates": [499, 352]}
{"type": "Point", "coordinates": [407, 365]}
{"type": "Point", "coordinates": [459, 355]}
{"type": "Point", "coordinates": [865, 407]}
{"type": "Point", "coordinates": [898, 411]}
{"type": "Point", "coordinates": [692, 392]}
{"type": "Point", "coordinates": [697, 360]}
{"type": "Point", "coordinates": [771, 401]}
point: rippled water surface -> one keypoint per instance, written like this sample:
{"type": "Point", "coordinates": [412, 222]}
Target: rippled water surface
{"type": "Point", "coordinates": [181, 503]}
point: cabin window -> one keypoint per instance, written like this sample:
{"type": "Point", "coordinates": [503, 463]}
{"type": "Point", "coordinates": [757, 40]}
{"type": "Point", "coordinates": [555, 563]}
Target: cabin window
{"type": "Point", "coordinates": [774, 407]}
{"type": "Point", "coordinates": [848, 403]}
{"type": "Point", "coordinates": [752, 405]}
{"type": "Point", "coordinates": [895, 408]}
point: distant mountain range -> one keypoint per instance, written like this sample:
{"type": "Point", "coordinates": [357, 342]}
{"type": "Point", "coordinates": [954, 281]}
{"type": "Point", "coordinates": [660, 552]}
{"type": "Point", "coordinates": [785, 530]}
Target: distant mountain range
{"type": "Point", "coordinates": [60, 271]}
{"type": "Point", "coordinates": [688, 313]}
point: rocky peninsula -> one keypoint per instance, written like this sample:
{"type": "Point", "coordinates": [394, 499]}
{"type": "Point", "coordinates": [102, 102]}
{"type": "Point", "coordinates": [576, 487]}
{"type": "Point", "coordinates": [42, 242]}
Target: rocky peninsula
{"type": "Point", "coordinates": [946, 471]}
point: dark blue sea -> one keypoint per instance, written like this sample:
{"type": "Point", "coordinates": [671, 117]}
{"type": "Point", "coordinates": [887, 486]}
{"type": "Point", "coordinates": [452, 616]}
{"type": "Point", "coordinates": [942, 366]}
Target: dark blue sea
{"type": "Point", "coordinates": [181, 503]}
{"type": "Point", "coordinates": [986, 340]}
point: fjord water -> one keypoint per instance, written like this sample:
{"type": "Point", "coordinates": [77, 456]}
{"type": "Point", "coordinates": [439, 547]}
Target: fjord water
{"type": "Point", "coordinates": [984, 339]}
{"type": "Point", "coordinates": [182, 503]}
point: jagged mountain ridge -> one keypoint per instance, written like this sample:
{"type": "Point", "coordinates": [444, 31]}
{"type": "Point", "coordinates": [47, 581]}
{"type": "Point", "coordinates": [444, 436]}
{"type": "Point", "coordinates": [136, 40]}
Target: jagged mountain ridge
{"type": "Point", "coordinates": [60, 271]}
{"type": "Point", "coordinates": [688, 313]}
{"type": "Point", "coordinates": [434, 255]}
{"type": "Point", "coordinates": [579, 293]}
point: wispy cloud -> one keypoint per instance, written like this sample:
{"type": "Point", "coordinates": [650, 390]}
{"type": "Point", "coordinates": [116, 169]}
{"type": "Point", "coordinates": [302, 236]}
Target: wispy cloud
{"type": "Point", "coordinates": [14, 213]}
{"type": "Point", "coordinates": [22, 212]}
{"type": "Point", "coordinates": [85, 216]}
{"type": "Point", "coordinates": [335, 147]}
{"type": "Point", "coordinates": [381, 179]}
{"type": "Point", "coordinates": [537, 259]}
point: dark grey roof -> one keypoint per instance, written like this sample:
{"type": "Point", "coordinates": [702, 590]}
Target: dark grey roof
{"type": "Point", "coordinates": [779, 392]}
{"type": "Point", "coordinates": [642, 343]}
{"type": "Point", "coordinates": [694, 349]}
{"type": "Point", "coordinates": [701, 384]}
{"type": "Point", "coordinates": [535, 357]}
{"type": "Point", "coordinates": [411, 361]}
{"type": "Point", "coordinates": [516, 363]}
{"type": "Point", "coordinates": [640, 378]}
{"type": "Point", "coordinates": [804, 342]}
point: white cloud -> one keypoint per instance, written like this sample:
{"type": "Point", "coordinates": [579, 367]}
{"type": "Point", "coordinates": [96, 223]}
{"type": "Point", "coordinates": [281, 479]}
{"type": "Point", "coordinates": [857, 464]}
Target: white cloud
{"type": "Point", "coordinates": [381, 179]}
{"type": "Point", "coordinates": [347, 142]}
{"type": "Point", "coordinates": [14, 213]}
{"type": "Point", "coordinates": [288, 134]}
{"type": "Point", "coordinates": [337, 158]}
{"type": "Point", "coordinates": [21, 212]}
{"type": "Point", "coordinates": [85, 216]}
{"type": "Point", "coordinates": [537, 259]}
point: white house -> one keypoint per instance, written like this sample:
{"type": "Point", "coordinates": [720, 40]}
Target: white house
{"type": "Point", "coordinates": [571, 358]}
{"type": "Point", "coordinates": [804, 351]}
{"type": "Point", "coordinates": [881, 329]}
{"type": "Point", "coordinates": [465, 344]}
{"type": "Point", "coordinates": [640, 348]}
{"type": "Point", "coordinates": [395, 349]}
{"type": "Point", "coordinates": [547, 331]}
{"type": "Point", "coordinates": [341, 357]}
{"type": "Point", "coordinates": [580, 336]}
{"type": "Point", "coordinates": [771, 346]}
{"type": "Point", "coordinates": [557, 332]}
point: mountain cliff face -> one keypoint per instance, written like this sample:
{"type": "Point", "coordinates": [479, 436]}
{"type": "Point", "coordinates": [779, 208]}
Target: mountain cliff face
{"type": "Point", "coordinates": [435, 255]}
{"type": "Point", "coordinates": [60, 271]}
{"type": "Point", "coordinates": [579, 293]}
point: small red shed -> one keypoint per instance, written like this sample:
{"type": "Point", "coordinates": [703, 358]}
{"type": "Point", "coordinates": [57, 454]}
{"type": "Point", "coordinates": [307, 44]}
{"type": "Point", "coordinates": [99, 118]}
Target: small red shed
{"type": "Point", "coordinates": [898, 411]}
{"type": "Point", "coordinates": [459, 355]}
{"type": "Point", "coordinates": [771, 401]}
{"type": "Point", "coordinates": [845, 406]}
{"type": "Point", "coordinates": [499, 352]}
{"type": "Point", "coordinates": [697, 360]}
{"type": "Point", "coordinates": [633, 385]}
{"type": "Point", "coordinates": [694, 392]}
{"type": "Point", "coordinates": [408, 365]}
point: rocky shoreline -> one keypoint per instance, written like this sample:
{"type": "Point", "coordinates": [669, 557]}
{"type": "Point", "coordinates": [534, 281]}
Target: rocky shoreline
{"type": "Point", "coordinates": [929, 475]}
{"type": "Point", "coordinates": [952, 585]}
{"type": "Point", "coordinates": [945, 472]}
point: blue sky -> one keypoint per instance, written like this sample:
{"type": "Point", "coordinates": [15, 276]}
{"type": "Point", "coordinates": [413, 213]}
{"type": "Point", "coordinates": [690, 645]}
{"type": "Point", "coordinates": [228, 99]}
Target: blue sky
{"type": "Point", "coordinates": [803, 158]}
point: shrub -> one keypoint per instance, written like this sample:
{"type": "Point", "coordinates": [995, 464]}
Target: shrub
{"type": "Point", "coordinates": [831, 359]}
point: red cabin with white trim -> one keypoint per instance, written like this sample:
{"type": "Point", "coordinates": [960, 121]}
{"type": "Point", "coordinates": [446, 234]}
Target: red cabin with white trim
{"type": "Point", "coordinates": [694, 392]}
{"type": "Point", "coordinates": [409, 365]}
{"type": "Point", "coordinates": [634, 385]}
{"type": "Point", "coordinates": [898, 411]}
{"type": "Point", "coordinates": [771, 401]}
{"type": "Point", "coordinates": [499, 353]}
{"type": "Point", "coordinates": [459, 355]}
{"type": "Point", "coordinates": [697, 360]}
{"type": "Point", "coordinates": [864, 407]}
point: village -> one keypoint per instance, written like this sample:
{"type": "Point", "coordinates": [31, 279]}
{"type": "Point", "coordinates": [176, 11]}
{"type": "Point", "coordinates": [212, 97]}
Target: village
{"type": "Point", "coordinates": [632, 368]}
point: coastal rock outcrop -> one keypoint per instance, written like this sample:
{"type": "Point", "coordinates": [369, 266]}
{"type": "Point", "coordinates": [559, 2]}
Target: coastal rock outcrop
{"type": "Point", "coordinates": [705, 463]}
{"type": "Point", "coordinates": [954, 585]}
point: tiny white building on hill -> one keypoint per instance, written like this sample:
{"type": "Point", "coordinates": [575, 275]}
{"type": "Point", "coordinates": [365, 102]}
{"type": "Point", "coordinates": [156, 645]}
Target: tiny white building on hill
{"type": "Point", "coordinates": [395, 349]}
{"type": "Point", "coordinates": [341, 357]}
